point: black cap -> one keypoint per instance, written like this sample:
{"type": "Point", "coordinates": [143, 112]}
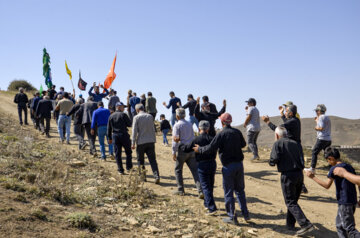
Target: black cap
{"type": "Point", "coordinates": [251, 100]}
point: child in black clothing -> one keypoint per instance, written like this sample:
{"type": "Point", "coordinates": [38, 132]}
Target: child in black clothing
{"type": "Point", "coordinates": [345, 194]}
{"type": "Point", "coordinates": [164, 128]}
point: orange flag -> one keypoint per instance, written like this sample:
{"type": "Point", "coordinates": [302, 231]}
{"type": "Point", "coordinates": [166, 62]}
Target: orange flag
{"type": "Point", "coordinates": [111, 75]}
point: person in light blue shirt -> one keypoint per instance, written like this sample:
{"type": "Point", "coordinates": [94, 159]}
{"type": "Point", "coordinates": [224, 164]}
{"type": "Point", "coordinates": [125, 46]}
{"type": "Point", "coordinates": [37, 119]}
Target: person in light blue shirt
{"type": "Point", "coordinates": [100, 120]}
{"type": "Point", "coordinates": [133, 101]}
{"type": "Point", "coordinates": [252, 125]}
{"type": "Point", "coordinates": [174, 104]}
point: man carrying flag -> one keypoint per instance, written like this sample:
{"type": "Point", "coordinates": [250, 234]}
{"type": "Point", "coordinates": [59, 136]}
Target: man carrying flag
{"type": "Point", "coordinates": [97, 95]}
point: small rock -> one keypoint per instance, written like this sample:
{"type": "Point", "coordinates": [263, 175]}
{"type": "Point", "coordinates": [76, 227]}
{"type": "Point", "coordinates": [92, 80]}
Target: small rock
{"type": "Point", "coordinates": [132, 221]}
{"type": "Point", "coordinates": [112, 179]}
{"type": "Point", "coordinates": [153, 229]}
{"type": "Point", "coordinates": [203, 221]}
{"type": "Point", "coordinates": [77, 163]}
{"type": "Point", "coordinates": [252, 231]}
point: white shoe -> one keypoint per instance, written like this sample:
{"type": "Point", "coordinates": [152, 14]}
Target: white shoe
{"type": "Point", "coordinates": [311, 170]}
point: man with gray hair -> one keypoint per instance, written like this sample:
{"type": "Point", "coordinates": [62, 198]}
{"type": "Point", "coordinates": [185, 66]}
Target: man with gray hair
{"type": "Point", "coordinates": [43, 112]}
{"type": "Point", "coordinates": [287, 154]}
{"type": "Point", "coordinates": [183, 132]}
{"type": "Point", "coordinates": [143, 137]}
{"type": "Point", "coordinates": [206, 165]}
{"type": "Point", "coordinates": [21, 100]}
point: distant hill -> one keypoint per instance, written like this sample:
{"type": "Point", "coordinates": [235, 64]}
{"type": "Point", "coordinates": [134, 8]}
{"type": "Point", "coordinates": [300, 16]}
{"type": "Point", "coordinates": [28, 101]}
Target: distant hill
{"type": "Point", "coordinates": [344, 131]}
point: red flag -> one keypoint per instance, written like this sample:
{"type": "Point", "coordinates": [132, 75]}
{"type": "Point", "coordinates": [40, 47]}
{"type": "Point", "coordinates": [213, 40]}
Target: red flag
{"type": "Point", "coordinates": [111, 75]}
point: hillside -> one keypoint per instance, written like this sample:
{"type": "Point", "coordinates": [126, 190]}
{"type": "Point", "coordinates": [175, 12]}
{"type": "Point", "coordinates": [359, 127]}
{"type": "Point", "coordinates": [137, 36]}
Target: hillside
{"type": "Point", "coordinates": [344, 131]}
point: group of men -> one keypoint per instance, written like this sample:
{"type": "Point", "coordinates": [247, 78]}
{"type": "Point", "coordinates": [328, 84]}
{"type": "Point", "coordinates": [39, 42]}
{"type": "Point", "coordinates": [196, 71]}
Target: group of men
{"type": "Point", "coordinates": [199, 152]}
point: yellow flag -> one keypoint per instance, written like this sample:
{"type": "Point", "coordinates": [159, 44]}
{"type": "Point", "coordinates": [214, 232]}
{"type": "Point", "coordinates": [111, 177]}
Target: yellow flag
{"type": "Point", "coordinates": [68, 70]}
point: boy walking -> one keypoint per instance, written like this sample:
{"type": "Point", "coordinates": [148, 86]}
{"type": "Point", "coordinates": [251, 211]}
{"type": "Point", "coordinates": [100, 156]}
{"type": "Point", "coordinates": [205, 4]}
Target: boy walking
{"type": "Point", "coordinates": [164, 128]}
{"type": "Point", "coordinates": [345, 194]}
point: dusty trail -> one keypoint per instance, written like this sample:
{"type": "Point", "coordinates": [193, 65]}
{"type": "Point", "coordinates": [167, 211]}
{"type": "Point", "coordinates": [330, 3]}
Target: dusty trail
{"type": "Point", "coordinates": [264, 196]}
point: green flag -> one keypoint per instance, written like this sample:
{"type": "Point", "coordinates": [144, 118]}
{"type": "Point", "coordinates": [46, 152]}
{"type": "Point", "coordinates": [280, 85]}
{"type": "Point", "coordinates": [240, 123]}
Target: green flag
{"type": "Point", "coordinates": [41, 90]}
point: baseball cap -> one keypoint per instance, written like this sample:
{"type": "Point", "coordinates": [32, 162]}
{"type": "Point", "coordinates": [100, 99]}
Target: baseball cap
{"type": "Point", "coordinates": [251, 100]}
{"type": "Point", "coordinates": [226, 118]}
{"type": "Point", "coordinates": [288, 103]}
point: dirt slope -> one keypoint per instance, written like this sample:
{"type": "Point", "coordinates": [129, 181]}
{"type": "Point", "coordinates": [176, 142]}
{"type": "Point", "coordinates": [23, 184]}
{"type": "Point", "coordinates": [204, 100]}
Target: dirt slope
{"type": "Point", "coordinates": [263, 191]}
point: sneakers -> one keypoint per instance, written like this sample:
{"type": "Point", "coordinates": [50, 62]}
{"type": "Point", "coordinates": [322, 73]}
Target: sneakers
{"type": "Point", "coordinates": [112, 157]}
{"type": "Point", "coordinates": [305, 229]}
{"type": "Point", "coordinates": [83, 145]}
{"type": "Point", "coordinates": [201, 195]}
{"type": "Point", "coordinates": [232, 221]}
{"type": "Point", "coordinates": [68, 142]}
{"type": "Point", "coordinates": [180, 193]}
{"type": "Point", "coordinates": [247, 218]}
{"type": "Point", "coordinates": [311, 170]}
{"type": "Point", "coordinates": [211, 213]}
{"type": "Point", "coordinates": [157, 180]}
{"type": "Point", "coordinates": [255, 158]}
{"type": "Point", "coordinates": [304, 189]}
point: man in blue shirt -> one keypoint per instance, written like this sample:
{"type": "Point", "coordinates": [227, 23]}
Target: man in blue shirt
{"type": "Point", "coordinates": [133, 101]}
{"type": "Point", "coordinates": [97, 95]}
{"type": "Point", "coordinates": [173, 103]}
{"type": "Point", "coordinates": [100, 120]}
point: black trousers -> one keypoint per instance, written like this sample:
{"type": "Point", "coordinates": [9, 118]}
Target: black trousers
{"type": "Point", "coordinates": [154, 115]}
{"type": "Point", "coordinates": [149, 150]}
{"type": "Point", "coordinates": [319, 146]}
{"type": "Point", "coordinates": [44, 128]}
{"type": "Point", "coordinates": [291, 184]}
{"type": "Point", "coordinates": [91, 138]}
{"type": "Point", "coordinates": [20, 109]}
{"type": "Point", "coordinates": [119, 141]}
{"type": "Point", "coordinates": [79, 131]}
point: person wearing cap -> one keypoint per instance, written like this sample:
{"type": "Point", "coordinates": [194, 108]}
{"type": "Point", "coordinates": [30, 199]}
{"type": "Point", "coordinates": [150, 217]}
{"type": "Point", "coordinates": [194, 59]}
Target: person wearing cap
{"type": "Point", "coordinates": [113, 100]}
{"type": "Point", "coordinates": [206, 166]}
{"type": "Point", "coordinates": [207, 115]}
{"type": "Point", "coordinates": [323, 137]}
{"type": "Point", "coordinates": [252, 125]}
{"type": "Point", "coordinates": [174, 104]}
{"type": "Point", "coordinates": [99, 121]}
{"type": "Point", "coordinates": [287, 154]}
{"type": "Point", "coordinates": [183, 133]}
{"type": "Point", "coordinates": [97, 96]}
{"type": "Point", "coordinates": [78, 128]}
{"type": "Point", "coordinates": [64, 106]}
{"type": "Point", "coordinates": [117, 132]}
{"type": "Point", "coordinates": [150, 106]}
{"type": "Point", "coordinates": [144, 139]}
{"type": "Point", "coordinates": [21, 99]}
{"type": "Point", "coordinates": [283, 108]}
{"type": "Point", "coordinates": [229, 141]}
{"type": "Point", "coordinates": [211, 105]}
{"type": "Point", "coordinates": [191, 104]}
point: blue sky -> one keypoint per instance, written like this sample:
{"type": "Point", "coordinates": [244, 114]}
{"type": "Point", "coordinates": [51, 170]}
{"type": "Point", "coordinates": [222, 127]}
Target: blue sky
{"type": "Point", "coordinates": [305, 51]}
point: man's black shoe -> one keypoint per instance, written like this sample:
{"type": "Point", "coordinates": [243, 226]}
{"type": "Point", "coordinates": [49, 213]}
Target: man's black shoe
{"type": "Point", "coordinates": [306, 229]}
{"type": "Point", "coordinates": [233, 221]}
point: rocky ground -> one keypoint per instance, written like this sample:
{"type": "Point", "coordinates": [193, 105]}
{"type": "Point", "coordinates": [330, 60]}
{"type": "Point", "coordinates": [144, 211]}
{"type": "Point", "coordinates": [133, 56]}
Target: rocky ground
{"type": "Point", "coordinates": [49, 190]}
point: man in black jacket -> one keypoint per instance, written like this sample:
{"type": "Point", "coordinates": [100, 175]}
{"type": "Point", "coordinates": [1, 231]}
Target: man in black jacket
{"type": "Point", "coordinates": [43, 113]}
{"type": "Point", "coordinates": [230, 141]}
{"type": "Point", "coordinates": [191, 104]}
{"type": "Point", "coordinates": [287, 154]}
{"type": "Point", "coordinates": [117, 131]}
{"type": "Point", "coordinates": [21, 100]}
{"type": "Point", "coordinates": [87, 110]}
{"type": "Point", "coordinates": [206, 166]}
{"type": "Point", "coordinates": [78, 128]}
{"type": "Point", "coordinates": [207, 115]}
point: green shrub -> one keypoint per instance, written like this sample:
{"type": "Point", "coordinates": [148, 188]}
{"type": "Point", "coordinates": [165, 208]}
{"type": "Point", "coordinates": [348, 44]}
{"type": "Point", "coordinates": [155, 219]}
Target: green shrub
{"type": "Point", "coordinates": [16, 84]}
{"type": "Point", "coordinates": [81, 221]}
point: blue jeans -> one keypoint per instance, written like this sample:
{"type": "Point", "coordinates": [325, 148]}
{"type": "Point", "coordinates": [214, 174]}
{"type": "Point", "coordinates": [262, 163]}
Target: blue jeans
{"type": "Point", "coordinates": [173, 119]}
{"type": "Point", "coordinates": [206, 171]}
{"type": "Point", "coordinates": [64, 121]}
{"type": "Point", "coordinates": [102, 132]}
{"type": "Point", "coordinates": [233, 181]}
{"type": "Point", "coordinates": [193, 120]}
{"type": "Point", "coordinates": [165, 131]}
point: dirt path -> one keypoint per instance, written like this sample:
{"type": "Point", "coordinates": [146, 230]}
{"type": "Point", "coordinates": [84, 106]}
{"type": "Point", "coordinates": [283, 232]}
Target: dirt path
{"type": "Point", "coordinates": [264, 196]}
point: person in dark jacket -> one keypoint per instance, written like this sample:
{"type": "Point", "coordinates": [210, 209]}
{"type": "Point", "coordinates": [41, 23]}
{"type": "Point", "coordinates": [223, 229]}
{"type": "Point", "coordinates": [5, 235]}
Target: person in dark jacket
{"type": "Point", "coordinates": [43, 112]}
{"type": "Point", "coordinates": [173, 103]}
{"type": "Point", "coordinates": [207, 115]}
{"type": "Point", "coordinates": [52, 92]}
{"type": "Point", "coordinates": [164, 128]}
{"type": "Point", "coordinates": [21, 99]}
{"type": "Point", "coordinates": [211, 105]}
{"type": "Point", "coordinates": [143, 100]}
{"type": "Point", "coordinates": [78, 128]}
{"type": "Point", "coordinates": [33, 106]}
{"type": "Point", "coordinates": [191, 104]}
{"type": "Point", "coordinates": [230, 141]}
{"type": "Point", "coordinates": [87, 110]}
{"type": "Point", "coordinates": [117, 133]}
{"type": "Point", "coordinates": [206, 166]}
{"type": "Point", "coordinates": [29, 106]}
{"type": "Point", "coordinates": [287, 154]}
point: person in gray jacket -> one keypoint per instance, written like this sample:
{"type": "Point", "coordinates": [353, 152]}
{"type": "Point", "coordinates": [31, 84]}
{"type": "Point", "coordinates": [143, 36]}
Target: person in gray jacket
{"type": "Point", "coordinates": [143, 138]}
{"type": "Point", "coordinates": [87, 110]}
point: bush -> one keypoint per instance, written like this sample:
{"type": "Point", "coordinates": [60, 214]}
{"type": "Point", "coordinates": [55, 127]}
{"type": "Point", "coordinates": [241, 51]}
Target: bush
{"type": "Point", "coordinates": [81, 221]}
{"type": "Point", "coordinates": [16, 84]}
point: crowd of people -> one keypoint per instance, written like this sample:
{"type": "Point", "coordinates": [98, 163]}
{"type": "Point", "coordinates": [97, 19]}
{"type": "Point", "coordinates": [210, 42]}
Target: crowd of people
{"type": "Point", "coordinates": [198, 150]}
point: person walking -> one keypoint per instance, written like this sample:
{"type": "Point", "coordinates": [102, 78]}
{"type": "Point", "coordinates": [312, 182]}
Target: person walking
{"type": "Point", "coordinates": [87, 110]}
{"type": "Point", "coordinates": [143, 101]}
{"type": "Point", "coordinates": [64, 106]}
{"type": "Point", "coordinates": [150, 106]}
{"type": "Point", "coordinates": [183, 133]}
{"type": "Point", "coordinates": [113, 100]}
{"type": "Point", "coordinates": [229, 141]}
{"type": "Point", "coordinates": [252, 125]}
{"type": "Point", "coordinates": [78, 128]}
{"type": "Point", "coordinates": [143, 139]}
{"type": "Point", "coordinates": [97, 96]}
{"type": "Point", "coordinates": [33, 106]}
{"type": "Point", "coordinates": [164, 128]}
{"type": "Point", "coordinates": [117, 132]}
{"type": "Point", "coordinates": [21, 99]}
{"type": "Point", "coordinates": [207, 115]}
{"type": "Point", "coordinates": [211, 105]}
{"type": "Point", "coordinates": [29, 106]}
{"type": "Point", "coordinates": [206, 166]}
{"type": "Point", "coordinates": [133, 101]}
{"type": "Point", "coordinates": [43, 112]}
{"type": "Point", "coordinates": [52, 92]}
{"type": "Point", "coordinates": [173, 103]}
{"type": "Point", "coordinates": [323, 135]}
{"type": "Point", "coordinates": [191, 104]}
{"type": "Point", "coordinates": [287, 154]}
{"type": "Point", "coordinates": [99, 122]}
